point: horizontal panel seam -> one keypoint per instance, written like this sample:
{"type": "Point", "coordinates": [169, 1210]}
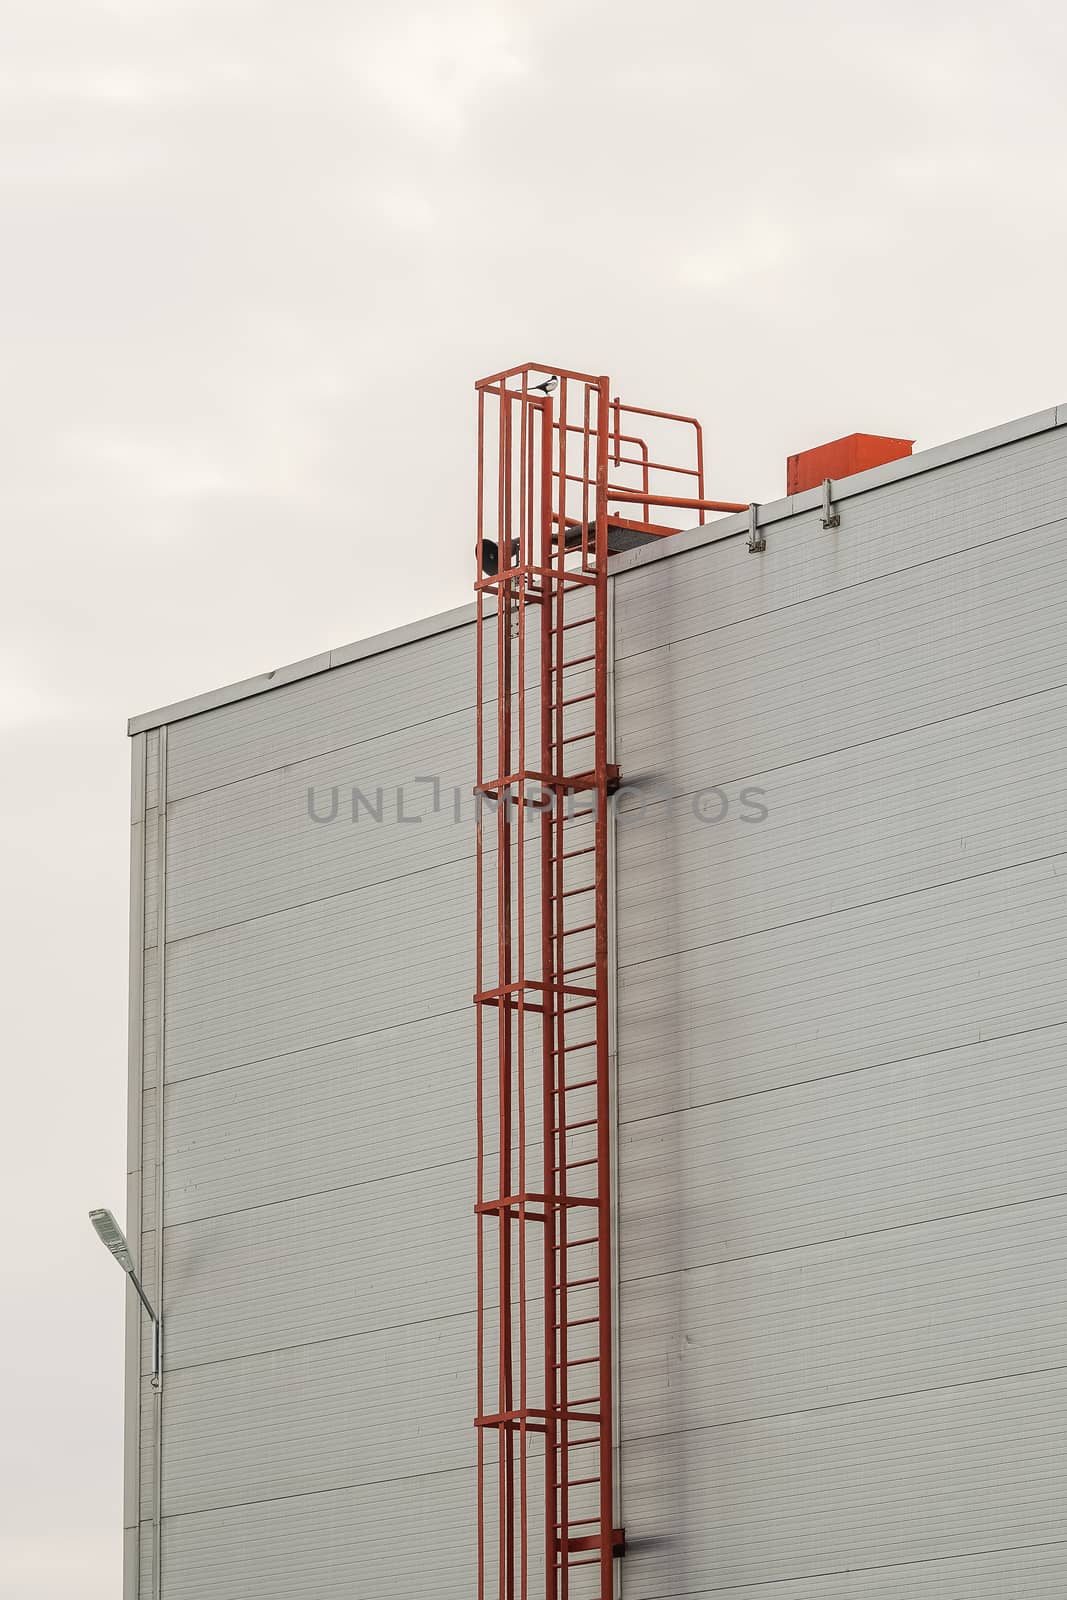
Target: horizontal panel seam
{"type": "Point", "coordinates": [308, 1494]}
{"type": "Point", "coordinates": [950, 468]}
{"type": "Point", "coordinates": [321, 899]}
{"type": "Point", "coordinates": [844, 749]}
{"type": "Point", "coordinates": [842, 1405]}
{"type": "Point", "coordinates": [846, 1572]}
{"type": "Point", "coordinates": [841, 1238]}
{"type": "Point", "coordinates": [311, 1344]}
{"type": "Point", "coordinates": [320, 1044]}
{"type": "Point", "coordinates": [846, 1072]}
{"type": "Point", "coordinates": [318, 755]}
{"type": "Point", "coordinates": [860, 583]}
{"type": "Point", "coordinates": [336, 1188]}
{"type": "Point", "coordinates": [842, 911]}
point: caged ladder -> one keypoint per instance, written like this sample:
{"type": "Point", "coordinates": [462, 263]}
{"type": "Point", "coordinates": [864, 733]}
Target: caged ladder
{"type": "Point", "coordinates": [548, 1524]}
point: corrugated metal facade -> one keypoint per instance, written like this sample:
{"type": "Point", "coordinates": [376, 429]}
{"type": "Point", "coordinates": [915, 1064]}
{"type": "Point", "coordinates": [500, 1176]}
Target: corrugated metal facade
{"type": "Point", "coordinates": [842, 1103]}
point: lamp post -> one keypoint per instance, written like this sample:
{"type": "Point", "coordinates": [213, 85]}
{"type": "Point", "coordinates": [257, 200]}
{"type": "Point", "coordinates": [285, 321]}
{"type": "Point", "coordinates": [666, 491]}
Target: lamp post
{"type": "Point", "coordinates": [113, 1237]}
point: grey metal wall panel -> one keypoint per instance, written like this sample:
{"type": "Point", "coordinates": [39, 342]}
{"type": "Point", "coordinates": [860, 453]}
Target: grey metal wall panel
{"type": "Point", "coordinates": [149, 792]}
{"type": "Point", "coordinates": [376, 1255]}
{"type": "Point", "coordinates": [392, 1540]}
{"type": "Point", "coordinates": [132, 1333]}
{"type": "Point", "coordinates": [151, 880]}
{"type": "Point", "coordinates": [150, 1017]}
{"type": "Point", "coordinates": [149, 1143]}
{"type": "Point", "coordinates": [920, 646]}
{"type": "Point", "coordinates": [843, 1150]}
{"type": "Point", "coordinates": [961, 1300]}
{"type": "Point", "coordinates": [148, 1267]}
{"type": "Point", "coordinates": [131, 1563]}
{"type": "Point", "coordinates": [254, 847]}
{"type": "Point", "coordinates": [322, 1118]}
{"type": "Point", "coordinates": [385, 1405]}
{"type": "Point", "coordinates": [914, 1478]}
{"type": "Point", "coordinates": [404, 688]}
{"type": "Point", "coordinates": [840, 1045]}
{"type": "Point", "coordinates": [353, 963]}
{"type": "Point", "coordinates": [1035, 1574]}
{"type": "Point", "coordinates": [152, 769]}
{"type": "Point", "coordinates": [899, 978]}
{"type": "Point", "coordinates": [904, 525]}
{"type": "Point", "coordinates": [958, 1131]}
{"type": "Point", "coordinates": [905, 813]}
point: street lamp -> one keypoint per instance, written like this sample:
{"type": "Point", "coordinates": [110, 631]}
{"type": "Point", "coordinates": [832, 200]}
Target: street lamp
{"type": "Point", "coordinates": [112, 1235]}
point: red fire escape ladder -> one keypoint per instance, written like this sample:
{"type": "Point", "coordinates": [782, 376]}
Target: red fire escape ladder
{"type": "Point", "coordinates": [547, 1517]}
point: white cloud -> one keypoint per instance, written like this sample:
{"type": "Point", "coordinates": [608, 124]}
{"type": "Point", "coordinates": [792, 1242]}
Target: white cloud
{"type": "Point", "coordinates": [60, 1563]}
{"type": "Point", "coordinates": [759, 246]}
{"type": "Point", "coordinates": [129, 87]}
{"type": "Point", "coordinates": [431, 68]}
{"type": "Point", "coordinates": [22, 702]}
{"type": "Point", "coordinates": [160, 466]}
{"type": "Point", "coordinates": [405, 206]}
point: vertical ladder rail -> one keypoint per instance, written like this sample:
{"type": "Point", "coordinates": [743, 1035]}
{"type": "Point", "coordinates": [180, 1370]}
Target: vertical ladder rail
{"type": "Point", "coordinates": [547, 1524]}
{"type": "Point", "coordinates": [542, 784]}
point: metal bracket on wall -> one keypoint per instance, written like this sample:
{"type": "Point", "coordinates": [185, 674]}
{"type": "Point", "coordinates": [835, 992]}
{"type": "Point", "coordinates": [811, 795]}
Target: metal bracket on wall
{"type": "Point", "coordinates": [757, 541]}
{"type": "Point", "coordinates": [831, 517]}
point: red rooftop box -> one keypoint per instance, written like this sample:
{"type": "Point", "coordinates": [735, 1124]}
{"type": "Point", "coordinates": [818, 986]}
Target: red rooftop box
{"type": "Point", "coordinates": [841, 458]}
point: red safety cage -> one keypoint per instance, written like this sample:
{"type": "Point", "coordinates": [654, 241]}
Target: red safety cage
{"type": "Point", "coordinates": [567, 474]}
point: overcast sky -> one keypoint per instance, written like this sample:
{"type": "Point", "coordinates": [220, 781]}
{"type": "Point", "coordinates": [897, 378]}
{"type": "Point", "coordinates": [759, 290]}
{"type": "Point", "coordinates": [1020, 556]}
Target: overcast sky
{"type": "Point", "coordinates": [253, 257]}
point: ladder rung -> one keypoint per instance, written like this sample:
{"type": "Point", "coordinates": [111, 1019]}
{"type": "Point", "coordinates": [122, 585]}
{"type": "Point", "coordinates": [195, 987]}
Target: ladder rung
{"type": "Point", "coordinates": [567, 1048]}
{"type": "Point", "coordinates": [573, 1166]}
{"type": "Point", "coordinates": [585, 1361]}
{"type": "Point", "coordinates": [569, 855]}
{"type": "Point", "coordinates": [571, 700]}
{"type": "Point", "coordinates": [586, 1083]}
{"type": "Point", "coordinates": [575, 1127]}
{"type": "Point", "coordinates": [565, 933]}
{"type": "Point", "coordinates": [580, 1322]}
{"type": "Point", "coordinates": [579, 661]}
{"type": "Point", "coordinates": [574, 737]}
{"type": "Point", "coordinates": [574, 1244]}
